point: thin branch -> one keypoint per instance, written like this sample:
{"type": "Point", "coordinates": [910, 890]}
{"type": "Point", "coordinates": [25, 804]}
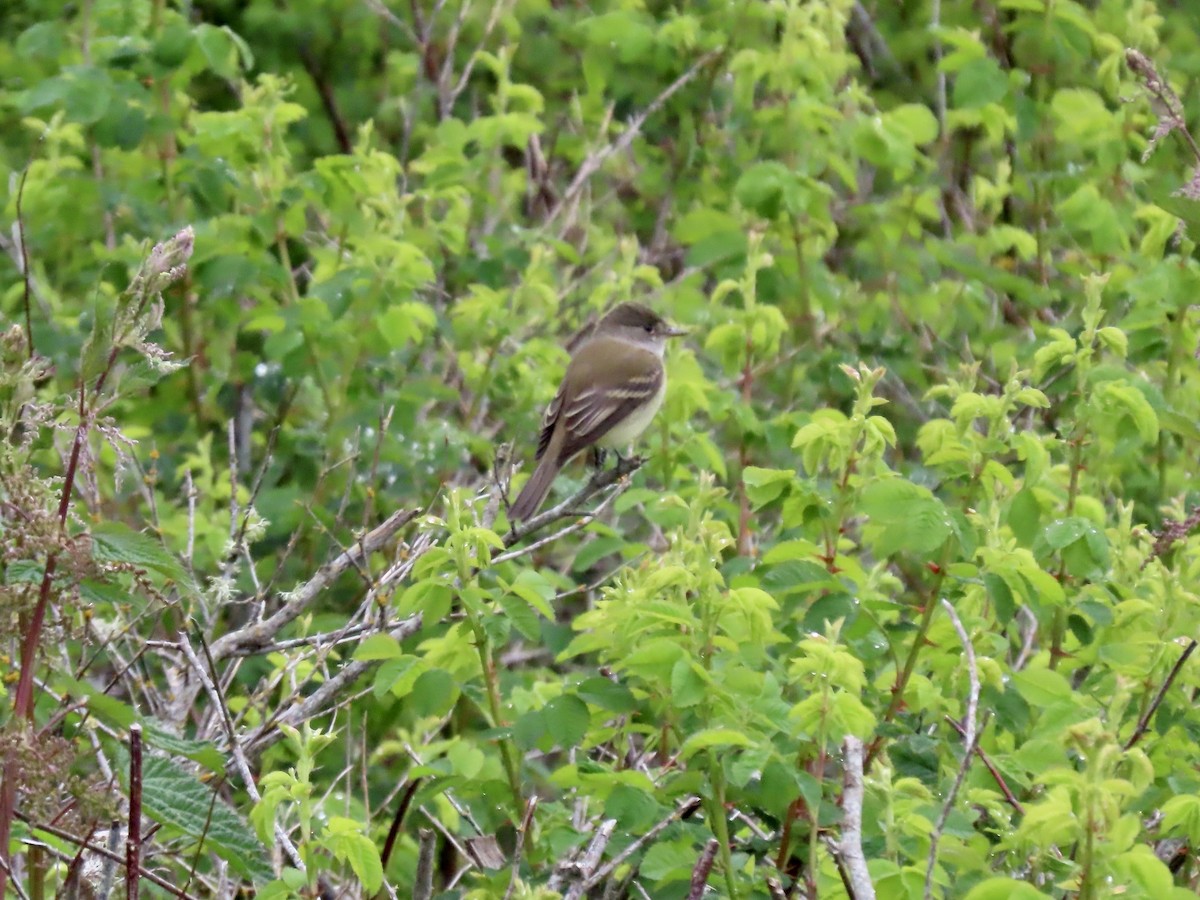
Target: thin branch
{"type": "Point", "coordinates": [850, 846]}
{"type": "Point", "coordinates": [1144, 721]}
{"type": "Point", "coordinates": [526, 823]}
{"type": "Point", "coordinates": [423, 882]}
{"type": "Point", "coordinates": [591, 859]}
{"type": "Point", "coordinates": [703, 866]}
{"type": "Point", "coordinates": [991, 767]}
{"type": "Point", "coordinates": [598, 482]}
{"type": "Point", "coordinates": [235, 747]}
{"type": "Point", "coordinates": [580, 523]}
{"type": "Point", "coordinates": [591, 165]}
{"type": "Point", "coordinates": [398, 820]}
{"type": "Point", "coordinates": [133, 835]}
{"type": "Point", "coordinates": [259, 634]}
{"type": "Point", "coordinates": [688, 807]}
{"type": "Point", "coordinates": [25, 276]}
{"type": "Point", "coordinates": [65, 835]}
{"type": "Point", "coordinates": [329, 694]}
{"type": "Point", "coordinates": [970, 736]}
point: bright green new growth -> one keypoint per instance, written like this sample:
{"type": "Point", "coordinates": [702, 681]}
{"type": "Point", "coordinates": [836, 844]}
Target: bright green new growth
{"type": "Point", "coordinates": [285, 291]}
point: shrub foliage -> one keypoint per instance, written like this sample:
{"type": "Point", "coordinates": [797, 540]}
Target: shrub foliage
{"type": "Point", "coordinates": [899, 600]}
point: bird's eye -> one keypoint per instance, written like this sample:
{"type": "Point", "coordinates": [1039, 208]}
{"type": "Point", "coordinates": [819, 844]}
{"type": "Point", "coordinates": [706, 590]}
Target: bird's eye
{"type": "Point", "coordinates": [649, 328]}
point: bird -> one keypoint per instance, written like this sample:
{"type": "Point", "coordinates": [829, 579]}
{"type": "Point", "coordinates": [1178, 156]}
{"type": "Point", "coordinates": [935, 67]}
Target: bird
{"type": "Point", "coordinates": [613, 386]}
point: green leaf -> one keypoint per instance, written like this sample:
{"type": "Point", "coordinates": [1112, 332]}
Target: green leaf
{"type": "Point", "coordinates": [204, 752]}
{"type": "Point", "coordinates": [536, 590]}
{"type": "Point", "coordinates": [378, 646]}
{"type": "Point", "coordinates": [523, 618]}
{"type": "Point", "coordinates": [760, 188]}
{"type": "Point", "coordinates": [610, 695]}
{"type": "Point", "coordinates": [978, 83]}
{"type": "Point", "coordinates": [346, 841]}
{"type": "Point", "coordinates": [711, 738]}
{"type": "Point", "coordinates": [1125, 399]}
{"type": "Point", "coordinates": [1042, 687]}
{"type": "Point", "coordinates": [916, 120]}
{"type": "Point", "coordinates": [1083, 546]}
{"type": "Point", "coordinates": [566, 718]}
{"type": "Point", "coordinates": [115, 542]}
{"type": "Point", "coordinates": [905, 516]}
{"type": "Point", "coordinates": [434, 693]}
{"type": "Point", "coordinates": [765, 485]}
{"type": "Point", "coordinates": [1024, 516]}
{"type": "Point", "coordinates": [1005, 889]}
{"type": "Point", "coordinates": [406, 323]}
{"type": "Point", "coordinates": [177, 799]}
{"type": "Point", "coordinates": [689, 683]}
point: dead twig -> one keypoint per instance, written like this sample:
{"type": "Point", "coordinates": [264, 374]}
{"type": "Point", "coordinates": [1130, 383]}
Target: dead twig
{"type": "Point", "coordinates": [688, 807]}
{"type": "Point", "coordinates": [970, 736]}
{"type": "Point", "coordinates": [850, 846]}
{"type": "Point", "coordinates": [133, 836]}
{"type": "Point", "coordinates": [703, 866]}
{"type": "Point", "coordinates": [423, 882]}
{"type": "Point", "coordinates": [526, 823]}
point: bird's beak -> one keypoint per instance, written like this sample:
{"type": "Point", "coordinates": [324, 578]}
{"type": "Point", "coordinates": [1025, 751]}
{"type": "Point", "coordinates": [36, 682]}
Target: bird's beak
{"type": "Point", "coordinates": [674, 331]}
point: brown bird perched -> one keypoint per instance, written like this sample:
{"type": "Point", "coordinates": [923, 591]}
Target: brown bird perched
{"type": "Point", "coordinates": [613, 386]}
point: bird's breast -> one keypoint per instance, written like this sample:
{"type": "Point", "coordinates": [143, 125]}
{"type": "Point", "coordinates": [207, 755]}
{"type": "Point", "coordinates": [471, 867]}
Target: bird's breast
{"type": "Point", "coordinates": [631, 427]}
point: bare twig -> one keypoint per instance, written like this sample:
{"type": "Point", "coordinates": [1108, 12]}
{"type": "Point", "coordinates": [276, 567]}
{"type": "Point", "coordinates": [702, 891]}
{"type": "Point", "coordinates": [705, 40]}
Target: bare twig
{"type": "Point", "coordinates": [133, 836]}
{"type": "Point", "coordinates": [580, 523]}
{"type": "Point", "coordinates": [103, 851]}
{"type": "Point", "coordinates": [25, 276]}
{"type": "Point", "coordinates": [259, 634]}
{"type": "Point", "coordinates": [1144, 720]}
{"type": "Point", "coordinates": [398, 820]}
{"type": "Point", "coordinates": [1028, 634]}
{"type": "Point", "coordinates": [585, 866]}
{"type": "Point", "coordinates": [526, 823]}
{"type": "Point", "coordinates": [328, 694]}
{"type": "Point", "coordinates": [591, 165]}
{"type": "Point", "coordinates": [703, 866]}
{"type": "Point", "coordinates": [970, 736]}
{"type": "Point", "coordinates": [850, 846]}
{"type": "Point", "coordinates": [598, 482]}
{"type": "Point", "coordinates": [423, 882]}
{"type": "Point", "coordinates": [685, 809]}
{"type": "Point", "coordinates": [991, 767]}
{"type": "Point", "coordinates": [235, 746]}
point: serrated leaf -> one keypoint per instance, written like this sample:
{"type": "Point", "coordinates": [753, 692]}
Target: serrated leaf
{"type": "Point", "coordinates": [905, 516]}
{"type": "Point", "coordinates": [521, 615]}
{"type": "Point", "coordinates": [177, 799]}
{"type": "Point", "coordinates": [345, 840]}
{"type": "Point", "coordinates": [689, 683]}
{"type": "Point", "coordinates": [566, 718]}
{"type": "Point", "coordinates": [204, 752]}
{"type": "Point", "coordinates": [117, 542]}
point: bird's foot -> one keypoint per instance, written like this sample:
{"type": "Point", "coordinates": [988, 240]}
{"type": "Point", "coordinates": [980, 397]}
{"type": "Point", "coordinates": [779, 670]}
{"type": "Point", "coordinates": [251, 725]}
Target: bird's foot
{"type": "Point", "coordinates": [597, 456]}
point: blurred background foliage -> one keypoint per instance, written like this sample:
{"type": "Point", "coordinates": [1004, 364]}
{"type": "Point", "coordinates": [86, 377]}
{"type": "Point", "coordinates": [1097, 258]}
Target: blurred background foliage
{"type": "Point", "coordinates": [943, 344]}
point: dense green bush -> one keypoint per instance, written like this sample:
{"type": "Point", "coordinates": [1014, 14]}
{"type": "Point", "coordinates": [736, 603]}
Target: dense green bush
{"type": "Point", "coordinates": [919, 500]}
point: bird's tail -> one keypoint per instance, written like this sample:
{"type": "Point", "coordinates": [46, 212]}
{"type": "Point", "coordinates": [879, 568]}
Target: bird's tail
{"type": "Point", "coordinates": [536, 488]}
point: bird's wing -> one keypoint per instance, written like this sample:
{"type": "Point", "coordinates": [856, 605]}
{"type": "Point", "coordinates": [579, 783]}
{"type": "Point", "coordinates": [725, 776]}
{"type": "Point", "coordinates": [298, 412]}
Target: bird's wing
{"type": "Point", "coordinates": [549, 418]}
{"type": "Point", "coordinates": [611, 393]}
